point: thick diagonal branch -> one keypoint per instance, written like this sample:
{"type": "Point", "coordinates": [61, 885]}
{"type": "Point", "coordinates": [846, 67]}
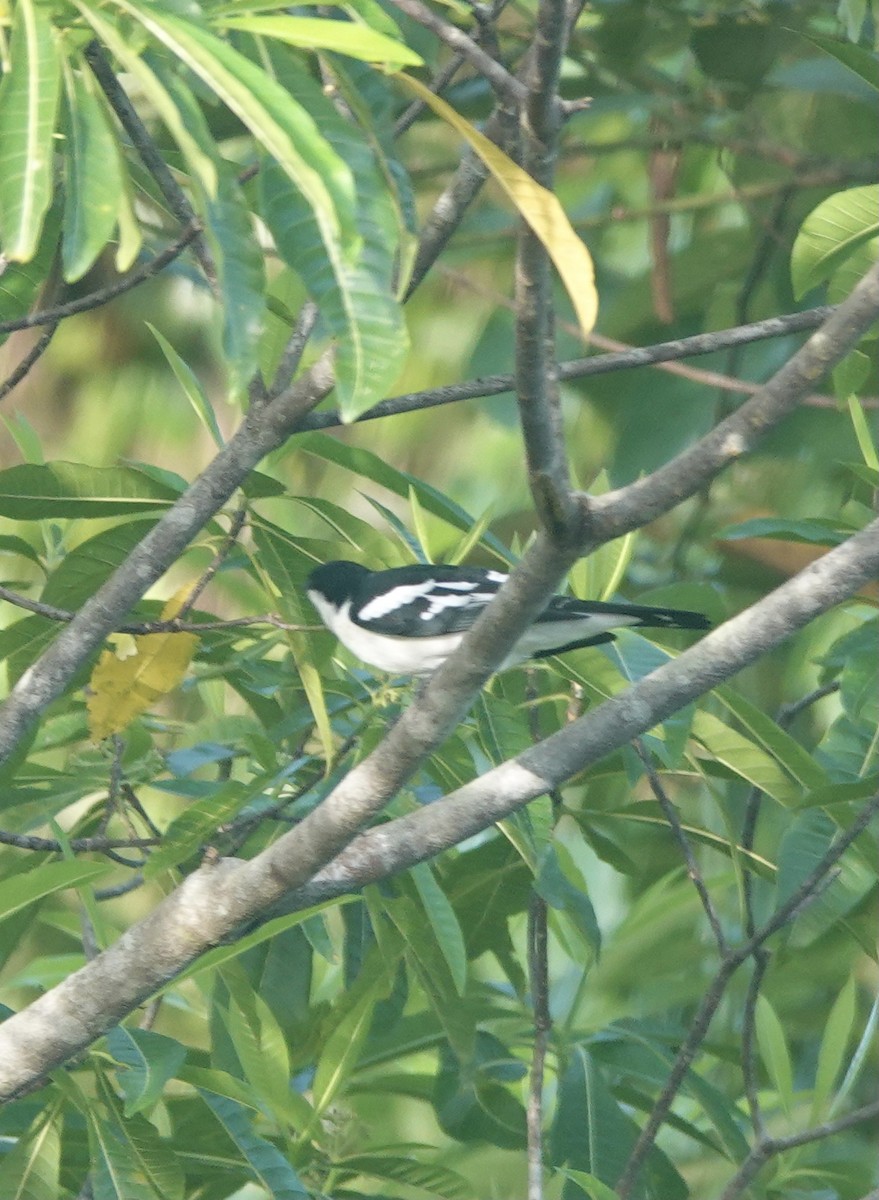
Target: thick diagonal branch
{"type": "Point", "coordinates": [218, 899]}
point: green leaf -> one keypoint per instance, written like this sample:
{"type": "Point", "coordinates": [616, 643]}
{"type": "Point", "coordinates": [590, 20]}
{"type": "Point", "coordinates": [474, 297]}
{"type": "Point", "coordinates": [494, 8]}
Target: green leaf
{"type": "Point", "coordinates": [592, 1133]}
{"type": "Point", "coordinates": [745, 758]}
{"type": "Point", "coordinates": [285, 129]}
{"type": "Point", "coordinates": [269, 1167]}
{"type": "Point", "coordinates": [44, 879]}
{"type": "Point", "coordinates": [10, 543]}
{"type": "Point", "coordinates": [368, 465]}
{"type": "Point", "coordinates": [271, 929]}
{"type": "Point", "coordinates": [262, 1051]}
{"type": "Point", "coordinates": [433, 1178]}
{"type": "Point", "coordinates": [31, 1168]}
{"type": "Point", "coordinates": [115, 1172]}
{"type": "Point", "coordinates": [33, 492]}
{"type": "Point", "coordinates": [831, 232]}
{"type": "Point", "coordinates": [562, 886]}
{"type": "Point", "coordinates": [863, 432]}
{"type": "Point", "coordinates": [358, 307]}
{"type": "Point", "coordinates": [441, 916]}
{"type": "Point", "coordinates": [21, 283]}
{"type": "Point", "coordinates": [810, 530]}
{"type": "Point", "coordinates": [340, 1052]}
{"type": "Point", "coordinates": [200, 164]}
{"type": "Point", "coordinates": [129, 1159]}
{"type": "Point", "coordinates": [93, 176]}
{"type": "Point", "coordinates": [195, 827]}
{"type": "Point", "coordinates": [774, 1052]}
{"type": "Point", "coordinates": [345, 37]}
{"type": "Point", "coordinates": [235, 250]}
{"type": "Point", "coordinates": [192, 389]}
{"type": "Point", "coordinates": [831, 1055]}
{"type": "Point", "coordinates": [90, 564]}
{"type": "Point", "coordinates": [147, 1061]}
{"type": "Point", "coordinates": [801, 765]}
{"type": "Point", "coordinates": [864, 63]}
{"type": "Point", "coordinates": [590, 1185]}
{"type": "Point", "coordinates": [276, 560]}
{"type": "Point", "coordinates": [28, 106]}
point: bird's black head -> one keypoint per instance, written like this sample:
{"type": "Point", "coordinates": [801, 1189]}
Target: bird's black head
{"type": "Point", "coordinates": [337, 581]}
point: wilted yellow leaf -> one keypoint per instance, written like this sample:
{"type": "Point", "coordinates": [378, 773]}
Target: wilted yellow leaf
{"type": "Point", "coordinates": [538, 206]}
{"type": "Point", "coordinates": [121, 689]}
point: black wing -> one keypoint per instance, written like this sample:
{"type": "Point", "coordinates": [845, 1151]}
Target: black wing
{"type": "Point", "coordinates": [563, 608]}
{"type": "Point", "coordinates": [424, 600]}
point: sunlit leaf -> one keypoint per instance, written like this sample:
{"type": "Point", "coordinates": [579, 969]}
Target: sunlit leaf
{"type": "Point", "coordinates": [121, 689]}
{"type": "Point", "coordinates": [93, 179]}
{"type": "Point", "coordinates": [345, 37]}
{"type": "Point", "coordinates": [28, 105]}
{"type": "Point", "coordinates": [830, 233]}
{"type": "Point", "coordinates": [540, 208]}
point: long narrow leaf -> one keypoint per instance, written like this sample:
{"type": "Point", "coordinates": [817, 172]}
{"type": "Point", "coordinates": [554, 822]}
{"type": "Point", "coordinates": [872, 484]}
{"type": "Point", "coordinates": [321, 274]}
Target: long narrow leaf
{"type": "Point", "coordinates": [28, 105]}
{"type": "Point", "coordinates": [540, 208]}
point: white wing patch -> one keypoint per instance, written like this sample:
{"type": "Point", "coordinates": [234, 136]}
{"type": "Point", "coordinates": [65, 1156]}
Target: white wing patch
{"type": "Point", "coordinates": [434, 592]}
{"type": "Point", "coordinates": [438, 603]}
{"type": "Point", "coordinates": [397, 597]}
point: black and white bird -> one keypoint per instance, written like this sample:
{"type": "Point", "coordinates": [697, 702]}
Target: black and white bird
{"type": "Point", "coordinates": [408, 620]}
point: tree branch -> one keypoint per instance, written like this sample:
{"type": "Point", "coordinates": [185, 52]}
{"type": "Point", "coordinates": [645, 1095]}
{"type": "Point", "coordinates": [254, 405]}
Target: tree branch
{"type": "Point", "coordinates": [506, 86]}
{"type": "Point", "coordinates": [51, 316]}
{"type": "Point", "coordinates": [769, 1147]}
{"type": "Point", "coordinates": [222, 897]}
{"type": "Point", "coordinates": [598, 364]}
{"type": "Point", "coordinates": [537, 388]}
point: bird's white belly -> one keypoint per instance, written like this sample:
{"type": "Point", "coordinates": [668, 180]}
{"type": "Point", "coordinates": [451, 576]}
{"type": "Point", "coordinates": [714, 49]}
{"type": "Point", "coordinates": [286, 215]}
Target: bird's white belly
{"type": "Point", "coordinates": [396, 655]}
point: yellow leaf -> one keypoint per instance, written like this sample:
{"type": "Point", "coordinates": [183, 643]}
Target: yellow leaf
{"type": "Point", "coordinates": [174, 605]}
{"type": "Point", "coordinates": [122, 689]}
{"type": "Point", "coordinates": [538, 206]}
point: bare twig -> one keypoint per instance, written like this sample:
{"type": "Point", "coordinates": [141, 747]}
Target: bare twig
{"type": "Point", "coordinates": [769, 1147]}
{"type": "Point", "coordinates": [730, 964]}
{"type": "Point", "coordinates": [151, 156]}
{"type": "Point", "coordinates": [172, 625]}
{"type": "Point", "coordinates": [51, 316]}
{"type": "Point", "coordinates": [506, 86]}
{"type": "Point", "coordinates": [87, 845]}
{"type": "Point", "coordinates": [537, 389]}
{"type": "Point", "coordinates": [33, 355]}
{"type": "Point", "coordinates": [600, 364]}
{"type": "Point", "coordinates": [235, 527]}
{"type": "Point", "coordinates": [671, 815]}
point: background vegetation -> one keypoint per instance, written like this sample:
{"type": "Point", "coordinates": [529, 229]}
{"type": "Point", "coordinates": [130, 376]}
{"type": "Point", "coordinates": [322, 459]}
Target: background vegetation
{"type": "Point", "coordinates": [655, 980]}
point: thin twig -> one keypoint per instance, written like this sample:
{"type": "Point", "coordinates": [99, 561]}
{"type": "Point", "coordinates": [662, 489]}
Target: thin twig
{"type": "Point", "coordinates": [671, 815]}
{"type": "Point", "coordinates": [769, 1147]}
{"type": "Point", "coordinates": [580, 368]}
{"type": "Point", "coordinates": [734, 958]}
{"type": "Point", "coordinates": [506, 86]}
{"type": "Point", "coordinates": [537, 389]}
{"type": "Point", "coordinates": [33, 355]}
{"type": "Point", "coordinates": [85, 845]}
{"type": "Point", "coordinates": [51, 316]}
{"type": "Point", "coordinates": [172, 625]}
{"type": "Point", "coordinates": [761, 955]}
{"type": "Point", "coordinates": [151, 156]}
{"type": "Point", "coordinates": [237, 524]}
{"type": "Point", "coordinates": [293, 351]}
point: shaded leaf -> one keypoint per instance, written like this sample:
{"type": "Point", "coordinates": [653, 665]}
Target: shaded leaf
{"type": "Point", "coordinates": [33, 492]}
